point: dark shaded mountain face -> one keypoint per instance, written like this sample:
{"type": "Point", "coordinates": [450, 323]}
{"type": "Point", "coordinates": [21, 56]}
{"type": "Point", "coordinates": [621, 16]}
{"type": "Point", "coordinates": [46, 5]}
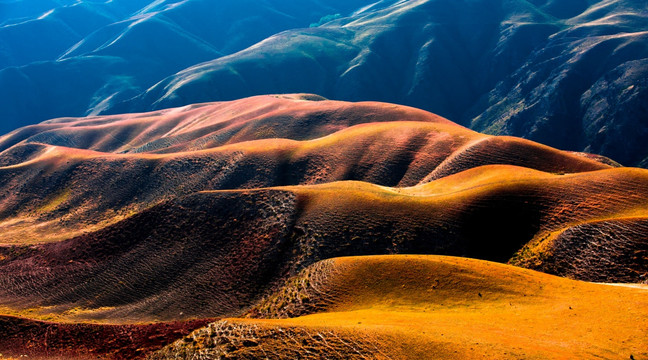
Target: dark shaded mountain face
{"type": "Point", "coordinates": [571, 73]}
{"type": "Point", "coordinates": [64, 57]}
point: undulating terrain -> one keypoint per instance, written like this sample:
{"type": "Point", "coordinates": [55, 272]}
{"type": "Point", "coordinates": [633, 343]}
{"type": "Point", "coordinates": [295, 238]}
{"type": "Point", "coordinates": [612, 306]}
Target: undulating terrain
{"type": "Point", "coordinates": [429, 307]}
{"type": "Point", "coordinates": [569, 74]}
{"type": "Point", "coordinates": [246, 221]}
{"type": "Point", "coordinates": [323, 179]}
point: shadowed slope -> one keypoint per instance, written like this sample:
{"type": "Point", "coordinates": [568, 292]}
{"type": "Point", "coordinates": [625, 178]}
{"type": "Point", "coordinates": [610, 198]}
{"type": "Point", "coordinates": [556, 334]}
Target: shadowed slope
{"type": "Point", "coordinates": [99, 53]}
{"type": "Point", "coordinates": [215, 253]}
{"type": "Point", "coordinates": [606, 248]}
{"type": "Point", "coordinates": [22, 338]}
{"type": "Point", "coordinates": [410, 307]}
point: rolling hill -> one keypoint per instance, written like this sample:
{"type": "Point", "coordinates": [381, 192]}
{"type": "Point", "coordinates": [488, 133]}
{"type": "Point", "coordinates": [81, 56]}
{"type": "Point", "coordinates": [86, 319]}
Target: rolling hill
{"type": "Point", "coordinates": [205, 211]}
{"type": "Point", "coordinates": [213, 253]}
{"type": "Point", "coordinates": [340, 179]}
{"type": "Point", "coordinates": [62, 165]}
{"type": "Point", "coordinates": [419, 307]}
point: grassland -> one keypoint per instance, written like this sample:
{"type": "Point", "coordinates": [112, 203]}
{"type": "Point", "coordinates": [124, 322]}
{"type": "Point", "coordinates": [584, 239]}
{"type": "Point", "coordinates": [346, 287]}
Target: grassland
{"type": "Point", "coordinates": [415, 307]}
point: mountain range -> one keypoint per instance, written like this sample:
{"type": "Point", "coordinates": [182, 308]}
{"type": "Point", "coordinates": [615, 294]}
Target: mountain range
{"type": "Point", "coordinates": [359, 179]}
{"type": "Point", "coordinates": [570, 74]}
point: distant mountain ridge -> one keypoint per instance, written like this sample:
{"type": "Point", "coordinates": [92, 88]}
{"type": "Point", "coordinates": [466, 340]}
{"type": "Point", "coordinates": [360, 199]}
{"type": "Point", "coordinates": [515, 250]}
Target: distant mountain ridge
{"type": "Point", "coordinates": [571, 74]}
{"type": "Point", "coordinates": [75, 58]}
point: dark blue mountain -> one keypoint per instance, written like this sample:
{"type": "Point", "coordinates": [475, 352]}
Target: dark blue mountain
{"type": "Point", "coordinates": [64, 58]}
{"type": "Point", "coordinates": [572, 74]}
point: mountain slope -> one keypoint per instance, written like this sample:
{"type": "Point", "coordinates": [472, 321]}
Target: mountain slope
{"type": "Point", "coordinates": [569, 75]}
{"type": "Point", "coordinates": [51, 168]}
{"type": "Point", "coordinates": [226, 200]}
{"type": "Point", "coordinates": [61, 58]}
{"type": "Point", "coordinates": [409, 307]}
{"type": "Point", "coordinates": [213, 254]}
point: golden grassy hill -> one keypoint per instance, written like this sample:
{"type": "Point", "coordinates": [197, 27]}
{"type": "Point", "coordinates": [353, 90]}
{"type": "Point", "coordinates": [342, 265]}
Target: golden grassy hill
{"type": "Point", "coordinates": [216, 253]}
{"type": "Point", "coordinates": [431, 307]}
{"type": "Point", "coordinates": [67, 177]}
{"type": "Point", "coordinates": [204, 211]}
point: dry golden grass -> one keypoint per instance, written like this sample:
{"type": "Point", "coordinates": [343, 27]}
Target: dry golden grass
{"type": "Point", "coordinates": [561, 200]}
{"type": "Point", "coordinates": [130, 198]}
{"type": "Point", "coordinates": [466, 214]}
{"type": "Point", "coordinates": [431, 307]}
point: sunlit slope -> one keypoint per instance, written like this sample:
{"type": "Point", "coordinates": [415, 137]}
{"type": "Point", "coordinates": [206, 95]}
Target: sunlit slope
{"type": "Point", "coordinates": [414, 307]}
{"type": "Point", "coordinates": [588, 226]}
{"type": "Point", "coordinates": [65, 177]}
{"type": "Point", "coordinates": [209, 125]}
{"type": "Point", "coordinates": [215, 253]}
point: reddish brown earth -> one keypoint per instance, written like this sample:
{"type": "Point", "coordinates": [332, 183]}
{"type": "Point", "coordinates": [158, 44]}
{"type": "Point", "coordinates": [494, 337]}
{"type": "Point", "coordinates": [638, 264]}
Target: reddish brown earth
{"type": "Point", "coordinates": [72, 176]}
{"type": "Point", "coordinates": [46, 340]}
{"type": "Point", "coordinates": [203, 211]}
